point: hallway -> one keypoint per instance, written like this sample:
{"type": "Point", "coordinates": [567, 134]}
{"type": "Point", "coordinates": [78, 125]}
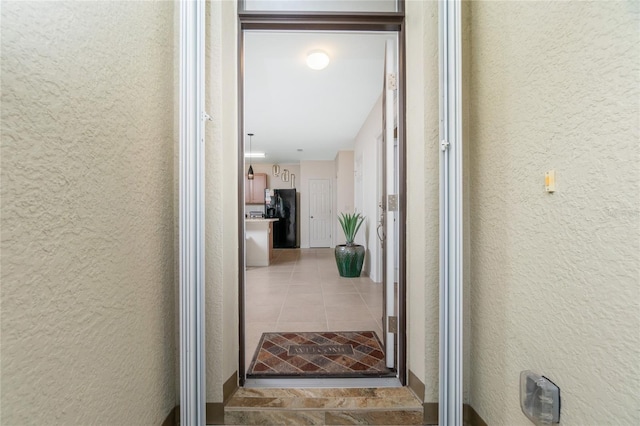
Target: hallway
{"type": "Point", "coordinates": [90, 213]}
{"type": "Point", "coordinates": [302, 291]}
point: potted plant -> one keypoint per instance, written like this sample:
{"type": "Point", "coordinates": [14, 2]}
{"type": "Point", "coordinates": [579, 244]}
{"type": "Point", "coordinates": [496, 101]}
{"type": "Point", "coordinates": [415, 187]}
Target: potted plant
{"type": "Point", "coordinates": [350, 256]}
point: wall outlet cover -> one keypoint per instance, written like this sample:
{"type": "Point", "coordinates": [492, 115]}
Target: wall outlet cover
{"type": "Point", "coordinates": [539, 398]}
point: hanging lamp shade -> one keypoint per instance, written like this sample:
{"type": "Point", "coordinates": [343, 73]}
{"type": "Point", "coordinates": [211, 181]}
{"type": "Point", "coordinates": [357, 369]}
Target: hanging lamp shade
{"type": "Point", "coordinates": [250, 175]}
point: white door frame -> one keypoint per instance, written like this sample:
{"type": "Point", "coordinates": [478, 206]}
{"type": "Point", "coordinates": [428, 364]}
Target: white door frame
{"type": "Point", "coordinates": [390, 213]}
{"type": "Point", "coordinates": [192, 355]}
{"type": "Point", "coordinates": [451, 325]}
{"type": "Point", "coordinates": [376, 267]}
{"type": "Point", "coordinates": [191, 228]}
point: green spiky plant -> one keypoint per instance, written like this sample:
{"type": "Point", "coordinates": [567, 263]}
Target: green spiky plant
{"type": "Point", "coordinates": [350, 223]}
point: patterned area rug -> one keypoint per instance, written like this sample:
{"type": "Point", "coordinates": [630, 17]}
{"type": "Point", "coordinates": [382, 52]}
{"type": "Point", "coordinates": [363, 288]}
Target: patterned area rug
{"type": "Point", "coordinates": [319, 354]}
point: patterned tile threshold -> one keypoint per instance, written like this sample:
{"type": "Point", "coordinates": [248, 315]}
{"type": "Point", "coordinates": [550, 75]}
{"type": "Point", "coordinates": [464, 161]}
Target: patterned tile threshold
{"type": "Point", "coordinates": [372, 406]}
{"type": "Point", "coordinates": [319, 354]}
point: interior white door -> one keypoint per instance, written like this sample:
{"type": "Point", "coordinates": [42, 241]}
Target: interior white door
{"type": "Point", "coordinates": [319, 213]}
{"type": "Point", "coordinates": [390, 202]}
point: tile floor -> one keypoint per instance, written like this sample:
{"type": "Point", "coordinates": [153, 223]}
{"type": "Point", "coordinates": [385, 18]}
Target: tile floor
{"type": "Point", "coordinates": [302, 291]}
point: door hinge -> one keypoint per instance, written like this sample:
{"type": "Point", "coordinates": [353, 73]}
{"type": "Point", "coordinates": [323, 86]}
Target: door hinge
{"type": "Point", "coordinates": [444, 145]}
{"type": "Point", "coordinates": [392, 82]}
{"type": "Point", "coordinates": [392, 325]}
{"type": "Point", "coordinates": [392, 202]}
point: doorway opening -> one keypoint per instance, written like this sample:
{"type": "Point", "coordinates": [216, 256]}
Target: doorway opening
{"type": "Point", "coordinates": [301, 323]}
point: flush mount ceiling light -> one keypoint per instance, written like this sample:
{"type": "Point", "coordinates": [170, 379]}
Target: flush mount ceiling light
{"type": "Point", "coordinates": [317, 60]}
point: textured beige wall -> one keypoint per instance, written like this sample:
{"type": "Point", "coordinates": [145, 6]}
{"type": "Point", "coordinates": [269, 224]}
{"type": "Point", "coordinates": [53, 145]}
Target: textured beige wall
{"type": "Point", "coordinates": [87, 213]}
{"type": "Point", "coordinates": [344, 182]}
{"type": "Point", "coordinates": [221, 196]}
{"type": "Point", "coordinates": [422, 193]}
{"type": "Point", "coordinates": [555, 276]}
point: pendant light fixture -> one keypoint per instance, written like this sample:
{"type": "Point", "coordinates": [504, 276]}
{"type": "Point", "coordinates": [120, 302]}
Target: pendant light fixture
{"type": "Point", "coordinates": [250, 173]}
{"type": "Point", "coordinates": [275, 170]}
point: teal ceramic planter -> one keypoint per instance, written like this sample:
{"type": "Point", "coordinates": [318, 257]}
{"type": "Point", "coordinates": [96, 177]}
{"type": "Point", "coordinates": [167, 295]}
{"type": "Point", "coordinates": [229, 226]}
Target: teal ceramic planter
{"type": "Point", "coordinates": [349, 260]}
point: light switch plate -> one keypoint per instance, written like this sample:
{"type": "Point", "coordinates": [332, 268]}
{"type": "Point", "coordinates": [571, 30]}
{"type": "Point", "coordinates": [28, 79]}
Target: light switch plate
{"type": "Point", "coordinates": [550, 181]}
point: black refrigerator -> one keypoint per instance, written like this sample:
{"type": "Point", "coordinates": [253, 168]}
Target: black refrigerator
{"type": "Point", "coordinates": [281, 204]}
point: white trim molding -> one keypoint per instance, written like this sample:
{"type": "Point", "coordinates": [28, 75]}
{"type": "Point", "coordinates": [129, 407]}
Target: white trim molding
{"type": "Point", "coordinates": [450, 40]}
{"type": "Point", "coordinates": [191, 230]}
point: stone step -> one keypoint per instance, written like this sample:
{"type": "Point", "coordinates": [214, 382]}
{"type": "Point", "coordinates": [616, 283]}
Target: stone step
{"type": "Point", "coordinates": [323, 406]}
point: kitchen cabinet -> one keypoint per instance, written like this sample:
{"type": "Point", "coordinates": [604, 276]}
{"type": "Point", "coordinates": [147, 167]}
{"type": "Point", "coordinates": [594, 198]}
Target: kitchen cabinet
{"type": "Point", "coordinates": [259, 241]}
{"type": "Point", "coordinates": [254, 188]}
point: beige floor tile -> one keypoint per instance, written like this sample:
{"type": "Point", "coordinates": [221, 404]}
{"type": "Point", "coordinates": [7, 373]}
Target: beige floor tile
{"type": "Point", "coordinates": [261, 285]}
{"type": "Point", "coordinates": [304, 278]}
{"type": "Point", "coordinates": [307, 263]}
{"type": "Point", "coordinates": [351, 300]}
{"type": "Point", "coordinates": [302, 291]}
{"type": "Point", "coordinates": [261, 282]}
{"type": "Point", "coordinates": [257, 301]}
{"type": "Point", "coordinates": [281, 269]}
{"type": "Point", "coordinates": [279, 272]}
{"type": "Point", "coordinates": [373, 296]}
{"type": "Point", "coordinates": [313, 313]}
{"type": "Point", "coordinates": [337, 288]}
{"type": "Point", "coordinates": [267, 294]}
{"type": "Point", "coordinates": [338, 313]}
{"type": "Point", "coordinates": [254, 330]}
{"type": "Point", "coordinates": [302, 326]}
{"type": "Point", "coordinates": [303, 300]}
{"type": "Point", "coordinates": [305, 289]}
{"type": "Point", "coordinates": [328, 272]}
{"type": "Point", "coordinates": [269, 313]}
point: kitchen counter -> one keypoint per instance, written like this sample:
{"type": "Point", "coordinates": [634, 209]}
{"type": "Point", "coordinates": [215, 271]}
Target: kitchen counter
{"type": "Point", "coordinates": [259, 241]}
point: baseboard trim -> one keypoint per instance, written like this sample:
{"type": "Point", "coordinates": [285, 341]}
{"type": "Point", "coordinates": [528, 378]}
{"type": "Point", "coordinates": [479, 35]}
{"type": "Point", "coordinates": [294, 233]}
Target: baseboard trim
{"type": "Point", "coordinates": [416, 386]}
{"type": "Point", "coordinates": [430, 416]}
{"type": "Point", "coordinates": [214, 411]}
{"type": "Point", "coordinates": [172, 418]}
{"type": "Point", "coordinates": [470, 417]}
{"type": "Point", "coordinates": [430, 409]}
{"type": "Point", "coordinates": [230, 386]}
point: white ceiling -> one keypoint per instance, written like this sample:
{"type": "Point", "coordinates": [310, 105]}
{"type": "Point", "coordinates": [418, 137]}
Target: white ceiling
{"type": "Point", "coordinates": [289, 106]}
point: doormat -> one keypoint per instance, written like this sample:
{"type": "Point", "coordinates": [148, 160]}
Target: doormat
{"type": "Point", "coordinates": [319, 354]}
